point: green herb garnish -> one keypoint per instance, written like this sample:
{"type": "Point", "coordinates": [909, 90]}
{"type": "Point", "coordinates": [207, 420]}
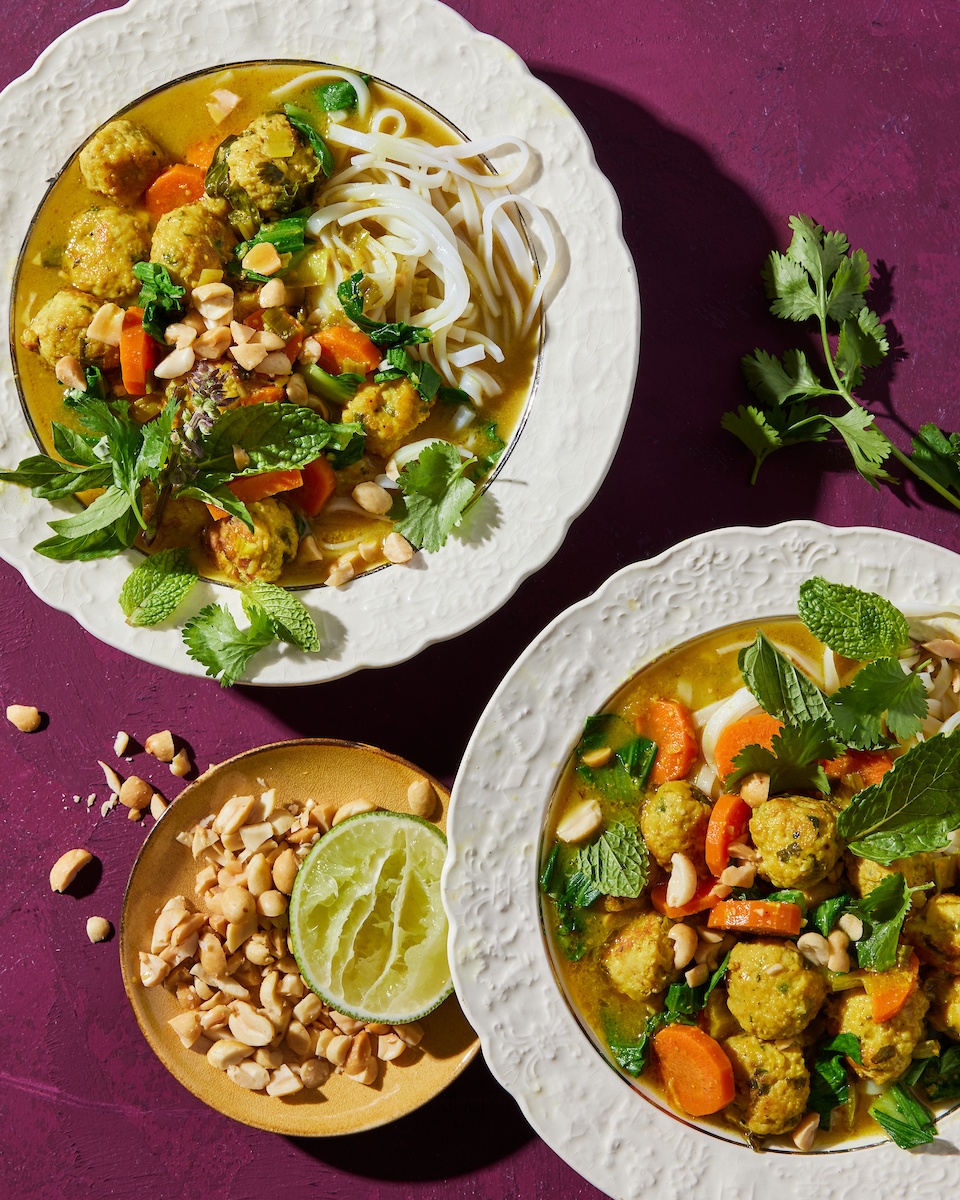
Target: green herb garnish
{"type": "Point", "coordinates": [879, 691]}
{"type": "Point", "coordinates": [882, 911]}
{"type": "Point", "coordinates": [616, 864]}
{"type": "Point", "coordinates": [436, 491]}
{"type": "Point", "coordinates": [778, 687]}
{"type": "Point", "coordinates": [381, 333]}
{"type": "Point", "coordinates": [820, 278]}
{"type": "Point", "coordinates": [339, 96]}
{"type": "Point", "coordinates": [829, 1083]}
{"type": "Point", "coordinates": [794, 761]}
{"type": "Point", "coordinates": [424, 377]}
{"type": "Point", "coordinates": [914, 807]}
{"type": "Point", "coordinates": [853, 623]}
{"type": "Point", "coordinates": [903, 1118]}
{"type": "Point", "coordinates": [301, 120]}
{"type": "Point", "coordinates": [160, 298]}
{"type": "Point", "coordinates": [155, 589]}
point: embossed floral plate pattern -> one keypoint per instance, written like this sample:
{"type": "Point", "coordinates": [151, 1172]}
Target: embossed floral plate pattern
{"type": "Point", "coordinates": [483, 88]}
{"type": "Point", "coordinates": [531, 1040]}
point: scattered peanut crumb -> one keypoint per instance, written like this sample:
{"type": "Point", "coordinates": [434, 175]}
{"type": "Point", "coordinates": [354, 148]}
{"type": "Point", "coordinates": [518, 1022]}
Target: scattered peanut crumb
{"type": "Point", "coordinates": [134, 814]}
{"type": "Point", "coordinates": [67, 867]}
{"type": "Point", "coordinates": [114, 782]}
{"type": "Point", "coordinates": [90, 799]}
{"type": "Point", "coordinates": [135, 793]}
{"type": "Point", "coordinates": [98, 929]}
{"type": "Point", "coordinates": [24, 716]}
{"type": "Point", "coordinates": [76, 799]}
{"type": "Point", "coordinates": [108, 806]}
{"type": "Point", "coordinates": [160, 745]}
{"type": "Point", "coordinates": [158, 806]}
{"type": "Point", "coordinates": [180, 765]}
{"type": "Point", "coordinates": [120, 743]}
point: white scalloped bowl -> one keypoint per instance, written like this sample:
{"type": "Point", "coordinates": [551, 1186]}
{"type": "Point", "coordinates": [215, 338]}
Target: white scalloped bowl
{"type": "Point", "coordinates": [617, 1133]}
{"type": "Point", "coordinates": [483, 89]}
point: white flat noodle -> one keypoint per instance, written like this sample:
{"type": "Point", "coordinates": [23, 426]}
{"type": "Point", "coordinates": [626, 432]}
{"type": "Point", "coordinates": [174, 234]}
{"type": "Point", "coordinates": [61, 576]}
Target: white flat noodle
{"type": "Point", "coordinates": [394, 117]}
{"type": "Point", "coordinates": [803, 661]}
{"type": "Point", "coordinates": [463, 417]}
{"type": "Point", "coordinates": [831, 678]}
{"type": "Point", "coordinates": [740, 704]}
{"type": "Point", "coordinates": [468, 356]}
{"type": "Point", "coordinates": [491, 347]}
{"type": "Point", "coordinates": [547, 241]}
{"type": "Point", "coordinates": [951, 723]}
{"type": "Point", "coordinates": [707, 780]}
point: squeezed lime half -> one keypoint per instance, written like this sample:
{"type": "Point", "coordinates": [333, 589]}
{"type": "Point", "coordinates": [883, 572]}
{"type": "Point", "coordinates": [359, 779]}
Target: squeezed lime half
{"type": "Point", "coordinates": [367, 925]}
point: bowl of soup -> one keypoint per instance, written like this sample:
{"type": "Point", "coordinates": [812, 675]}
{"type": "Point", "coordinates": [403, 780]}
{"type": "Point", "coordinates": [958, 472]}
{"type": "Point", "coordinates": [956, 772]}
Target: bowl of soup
{"type": "Point", "coordinates": [669, 887]}
{"type": "Point", "coordinates": [279, 323]}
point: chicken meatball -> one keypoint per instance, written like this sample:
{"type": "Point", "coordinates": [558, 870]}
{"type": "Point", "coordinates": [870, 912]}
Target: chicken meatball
{"type": "Point", "coordinates": [866, 875]}
{"type": "Point", "coordinates": [674, 821]}
{"type": "Point", "coordinates": [772, 1085]}
{"type": "Point", "coordinates": [60, 328]}
{"type": "Point", "coordinates": [103, 244]}
{"type": "Point", "coordinates": [945, 1005]}
{"type": "Point", "coordinates": [388, 413]}
{"type": "Point", "coordinates": [639, 956]}
{"type": "Point", "coordinates": [191, 239]}
{"type": "Point", "coordinates": [887, 1047]}
{"type": "Point", "coordinates": [273, 163]}
{"type": "Point", "coordinates": [934, 932]}
{"type": "Point", "coordinates": [260, 556]}
{"type": "Point", "coordinates": [796, 838]}
{"type": "Point", "coordinates": [772, 990]}
{"type": "Point", "coordinates": [120, 160]}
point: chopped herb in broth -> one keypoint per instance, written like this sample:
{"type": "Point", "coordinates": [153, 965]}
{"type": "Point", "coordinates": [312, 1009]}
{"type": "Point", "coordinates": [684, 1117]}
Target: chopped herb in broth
{"type": "Point", "coordinates": [750, 878]}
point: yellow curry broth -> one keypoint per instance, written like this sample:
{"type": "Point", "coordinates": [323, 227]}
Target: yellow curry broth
{"type": "Point", "coordinates": [177, 118]}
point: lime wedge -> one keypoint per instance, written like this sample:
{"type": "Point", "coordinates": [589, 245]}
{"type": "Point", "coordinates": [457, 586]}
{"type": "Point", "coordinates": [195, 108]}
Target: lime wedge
{"type": "Point", "coordinates": [367, 926]}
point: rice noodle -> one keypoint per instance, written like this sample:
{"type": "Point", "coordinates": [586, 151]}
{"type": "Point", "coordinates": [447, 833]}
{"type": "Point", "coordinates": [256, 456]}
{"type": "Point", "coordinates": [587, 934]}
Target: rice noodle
{"type": "Point", "coordinates": [740, 704]}
{"type": "Point", "coordinates": [323, 74]}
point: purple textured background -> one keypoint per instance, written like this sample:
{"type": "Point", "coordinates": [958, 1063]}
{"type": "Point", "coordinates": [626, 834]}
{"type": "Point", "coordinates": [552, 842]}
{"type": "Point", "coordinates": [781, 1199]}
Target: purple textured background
{"type": "Point", "coordinates": [714, 121]}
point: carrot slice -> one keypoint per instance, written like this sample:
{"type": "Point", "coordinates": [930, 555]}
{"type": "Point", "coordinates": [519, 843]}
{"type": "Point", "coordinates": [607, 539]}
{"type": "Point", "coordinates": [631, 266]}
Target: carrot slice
{"type": "Point", "coordinates": [755, 730]}
{"type": "Point", "coordinates": [201, 153]}
{"type": "Point", "coordinates": [669, 723]}
{"type": "Point", "coordinates": [870, 765]}
{"type": "Point", "coordinates": [890, 990]}
{"type": "Point", "coordinates": [258, 487]}
{"type": "Point", "coordinates": [319, 484]}
{"type": "Point", "coordinates": [728, 823]}
{"type": "Point", "coordinates": [696, 1074]}
{"type": "Point", "coordinates": [757, 916]}
{"type": "Point", "coordinates": [703, 898]}
{"type": "Point", "coordinates": [346, 349]}
{"type": "Point", "coordinates": [177, 185]}
{"type": "Point", "coordinates": [264, 395]}
{"type": "Point", "coordinates": [138, 353]}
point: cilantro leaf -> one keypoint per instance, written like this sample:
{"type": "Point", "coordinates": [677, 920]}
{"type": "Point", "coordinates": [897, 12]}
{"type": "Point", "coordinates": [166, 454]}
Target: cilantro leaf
{"type": "Point", "coordinates": [291, 620]}
{"type": "Point", "coordinates": [381, 333]}
{"type": "Point", "coordinates": [938, 454]}
{"type": "Point", "coordinates": [794, 760]}
{"type": "Point", "coordinates": [214, 640]}
{"type": "Point", "coordinates": [301, 120]}
{"type": "Point", "coordinates": [862, 343]}
{"type": "Point", "coordinates": [882, 911]}
{"type": "Point", "coordinates": [154, 589]}
{"type": "Point", "coordinates": [853, 623]}
{"type": "Point", "coordinates": [868, 447]}
{"type": "Point", "coordinates": [903, 1118]}
{"type": "Point", "coordinates": [914, 807]}
{"type": "Point", "coordinates": [775, 381]}
{"type": "Point", "coordinates": [436, 492]}
{"type": "Point", "coordinates": [160, 298]}
{"type": "Point", "coordinates": [779, 688]}
{"type": "Point", "coordinates": [616, 864]}
{"type": "Point", "coordinates": [762, 432]}
{"type": "Point", "coordinates": [879, 688]}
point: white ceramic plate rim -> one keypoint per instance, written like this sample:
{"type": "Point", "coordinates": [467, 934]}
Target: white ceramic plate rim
{"type": "Point", "coordinates": [483, 87]}
{"type": "Point", "coordinates": [502, 972]}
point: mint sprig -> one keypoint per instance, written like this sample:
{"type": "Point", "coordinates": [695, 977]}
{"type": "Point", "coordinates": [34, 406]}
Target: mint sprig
{"type": "Point", "coordinates": [155, 589]}
{"type": "Point", "coordinates": [856, 624]}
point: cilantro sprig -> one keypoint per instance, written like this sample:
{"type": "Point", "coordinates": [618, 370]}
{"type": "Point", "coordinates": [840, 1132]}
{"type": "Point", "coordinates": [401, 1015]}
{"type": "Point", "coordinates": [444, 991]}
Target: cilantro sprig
{"type": "Point", "coordinates": [436, 491]}
{"type": "Point", "coordinates": [820, 278]}
{"type": "Point", "coordinates": [794, 761]}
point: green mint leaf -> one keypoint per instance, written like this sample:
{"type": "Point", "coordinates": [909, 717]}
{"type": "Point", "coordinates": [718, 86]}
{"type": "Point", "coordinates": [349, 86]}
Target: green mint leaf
{"type": "Point", "coordinates": [436, 492]}
{"type": "Point", "coordinates": [914, 807]}
{"type": "Point", "coordinates": [160, 298]}
{"type": "Point", "coordinates": [880, 688]}
{"type": "Point", "coordinates": [154, 589]}
{"type": "Point", "coordinates": [291, 620]}
{"type": "Point", "coordinates": [616, 863]}
{"type": "Point", "coordinates": [776, 382]}
{"type": "Point", "coordinates": [214, 640]}
{"type": "Point", "coordinates": [868, 446]}
{"type": "Point", "coordinates": [301, 120]}
{"type": "Point", "coordinates": [882, 911]}
{"type": "Point", "coordinates": [938, 455]}
{"type": "Point", "coordinates": [794, 760]}
{"type": "Point", "coordinates": [903, 1118]}
{"type": "Point", "coordinates": [779, 688]}
{"type": "Point", "coordinates": [275, 436]}
{"type": "Point", "coordinates": [853, 623]}
{"type": "Point", "coordinates": [381, 333]}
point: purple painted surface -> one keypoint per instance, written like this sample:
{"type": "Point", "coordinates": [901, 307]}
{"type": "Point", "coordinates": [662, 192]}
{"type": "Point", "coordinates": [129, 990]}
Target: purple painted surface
{"type": "Point", "coordinates": [715, 122]}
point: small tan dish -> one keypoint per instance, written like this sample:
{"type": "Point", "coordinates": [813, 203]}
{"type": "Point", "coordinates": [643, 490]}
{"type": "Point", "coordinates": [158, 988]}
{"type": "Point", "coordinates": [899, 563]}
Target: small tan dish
{"type": "Point", "coordinates": [329, 772]}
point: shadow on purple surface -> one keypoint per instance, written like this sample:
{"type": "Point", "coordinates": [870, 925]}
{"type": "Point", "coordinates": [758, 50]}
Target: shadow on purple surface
{"type": "Point", "coordinates": [469, 1126]}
